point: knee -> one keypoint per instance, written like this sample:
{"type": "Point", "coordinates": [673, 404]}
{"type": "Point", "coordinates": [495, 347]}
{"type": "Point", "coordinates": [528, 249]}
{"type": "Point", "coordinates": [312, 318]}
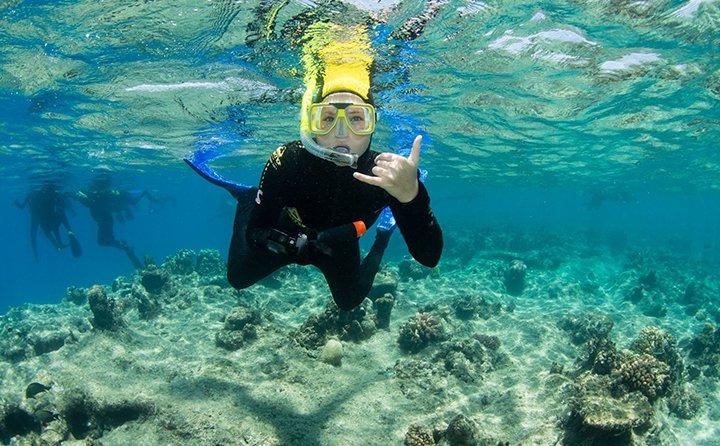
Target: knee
{"type": "Point", "coordinates": [237, 280]}
{"type": "Point", "coordinates": [344, 306]}
{"type": "Point", "coordinates": [348, 302]}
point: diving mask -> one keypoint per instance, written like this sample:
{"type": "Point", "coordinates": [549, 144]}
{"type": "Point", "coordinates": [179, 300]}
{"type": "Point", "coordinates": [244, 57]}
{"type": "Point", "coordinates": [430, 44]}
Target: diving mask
{"type": "Point", "coordinates": [343, 117]}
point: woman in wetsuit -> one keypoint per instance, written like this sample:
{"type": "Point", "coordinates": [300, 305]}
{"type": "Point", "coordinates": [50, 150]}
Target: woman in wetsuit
{"type": "Point", "coordinates": [317, 196]}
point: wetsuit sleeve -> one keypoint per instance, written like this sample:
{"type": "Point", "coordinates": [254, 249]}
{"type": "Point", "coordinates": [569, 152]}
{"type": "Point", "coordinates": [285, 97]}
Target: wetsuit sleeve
{"type": "Point", "coordinates": [270, 197]}
{"type": "Point", "coordinates": [419, 227]}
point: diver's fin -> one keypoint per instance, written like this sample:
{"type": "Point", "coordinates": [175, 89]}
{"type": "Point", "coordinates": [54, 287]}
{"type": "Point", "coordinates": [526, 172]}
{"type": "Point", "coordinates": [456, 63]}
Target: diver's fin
{"type": "Point", "coordinates": [386, 222]}
{"type": "Point", "coordinates": [75, 247]}
{"type": "Point", "coordinates": [237, 190]}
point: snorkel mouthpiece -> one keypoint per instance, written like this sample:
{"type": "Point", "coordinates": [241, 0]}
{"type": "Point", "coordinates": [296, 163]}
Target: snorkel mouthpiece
{"type": "Point", "coordinates": [339, 155]}
{"type": "Point", "coordinates": [344, 159]}
{"type": "Point", "coordinates": [341, 149]}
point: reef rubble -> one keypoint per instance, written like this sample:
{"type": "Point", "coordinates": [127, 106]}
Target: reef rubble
{"type": "Point", "coordinates": [500, 348]}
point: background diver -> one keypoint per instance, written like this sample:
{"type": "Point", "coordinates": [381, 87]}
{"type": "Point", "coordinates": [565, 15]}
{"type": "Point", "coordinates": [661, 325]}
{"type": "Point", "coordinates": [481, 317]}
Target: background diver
{"type": "Point", "coordinates": [104, 203]}
{"type": "Point", "coordinates": [317, 196]}
{"type": "Point", "coordinates": [47, 211]}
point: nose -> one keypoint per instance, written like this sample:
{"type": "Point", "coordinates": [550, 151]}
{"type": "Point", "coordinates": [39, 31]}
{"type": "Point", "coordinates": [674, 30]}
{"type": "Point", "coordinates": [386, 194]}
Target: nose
{"type": "Point", "coordinates": [341, 130]}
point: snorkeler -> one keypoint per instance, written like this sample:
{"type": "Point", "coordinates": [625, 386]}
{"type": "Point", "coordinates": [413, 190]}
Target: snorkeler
{"type": "Point", "coordinates": [103, 202]}
{"type": "Point", "coordinates": [317, 196]}
{"type": "Point", "coordinates": [415, 26]}
{"type": "Point", "coordinates": [47, 211]}
{"type": "Point", "coordinates": [265, 16]}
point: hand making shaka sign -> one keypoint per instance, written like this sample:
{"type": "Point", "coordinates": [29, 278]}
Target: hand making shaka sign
{"type": "Point", "coordinates": [395, 173]}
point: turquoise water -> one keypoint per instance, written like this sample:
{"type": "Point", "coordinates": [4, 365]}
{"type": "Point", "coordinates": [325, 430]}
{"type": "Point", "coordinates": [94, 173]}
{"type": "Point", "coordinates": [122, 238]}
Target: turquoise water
{"type": "Point", "coordinates": [550, 101]}
{"type": "Point", "coordinates": [593, 125]}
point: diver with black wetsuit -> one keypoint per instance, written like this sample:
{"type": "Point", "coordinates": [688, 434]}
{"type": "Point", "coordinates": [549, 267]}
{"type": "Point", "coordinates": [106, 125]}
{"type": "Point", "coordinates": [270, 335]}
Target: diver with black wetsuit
{"type": "Point", "coordinates": [306, 198]}
{"type": "Point", "coordinates": [47, 212]}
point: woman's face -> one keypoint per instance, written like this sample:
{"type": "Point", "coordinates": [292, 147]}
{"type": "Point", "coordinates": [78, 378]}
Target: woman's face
{"type": "Point", "coordinates": [357, 144]}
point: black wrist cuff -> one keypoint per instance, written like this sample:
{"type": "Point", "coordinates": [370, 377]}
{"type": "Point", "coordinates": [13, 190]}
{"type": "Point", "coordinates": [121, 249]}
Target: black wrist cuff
{"type": "Point", "coordinates": [417, 205]}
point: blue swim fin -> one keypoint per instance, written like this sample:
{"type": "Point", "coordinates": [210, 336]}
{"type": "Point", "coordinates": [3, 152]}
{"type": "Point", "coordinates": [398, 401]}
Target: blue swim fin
{"type": "Point", "coordinates": [198, 163]}
{"type": "Point", "coordinates": [386, 222]}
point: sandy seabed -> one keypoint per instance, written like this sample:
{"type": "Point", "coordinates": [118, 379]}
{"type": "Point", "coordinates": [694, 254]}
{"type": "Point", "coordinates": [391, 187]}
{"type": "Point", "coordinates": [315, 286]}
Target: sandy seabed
{"type": "Point", "coordinates": [559, 345]}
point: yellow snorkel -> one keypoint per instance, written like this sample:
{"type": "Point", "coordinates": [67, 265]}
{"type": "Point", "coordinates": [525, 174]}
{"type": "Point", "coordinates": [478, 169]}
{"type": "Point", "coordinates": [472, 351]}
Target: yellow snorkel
{"type": "Point", "coordinates": [336, 59]}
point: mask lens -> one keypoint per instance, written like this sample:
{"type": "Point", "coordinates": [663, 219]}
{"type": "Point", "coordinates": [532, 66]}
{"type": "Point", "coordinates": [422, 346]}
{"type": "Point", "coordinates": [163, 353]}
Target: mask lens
{"type": "Point", "coordinates": [328, 116]}
{"type": "Point", "coordinates": [322, 118]}
{"type": "Point", "coordinates": [358, 118]}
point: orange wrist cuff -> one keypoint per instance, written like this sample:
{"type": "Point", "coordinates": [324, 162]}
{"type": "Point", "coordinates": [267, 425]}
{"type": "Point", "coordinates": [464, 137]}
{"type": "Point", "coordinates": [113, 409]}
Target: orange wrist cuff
{"type": "Point", "coordinates": [360, 228]}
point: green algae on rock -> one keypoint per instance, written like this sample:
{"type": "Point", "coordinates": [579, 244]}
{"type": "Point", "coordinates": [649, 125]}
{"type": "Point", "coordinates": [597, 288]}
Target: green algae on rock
{"type": "Point", "coordinates": [597, 417]}
{"type": "Point", "coordinates": [106, 314]}
{"type": "Point", "coordinates": [420, 331]}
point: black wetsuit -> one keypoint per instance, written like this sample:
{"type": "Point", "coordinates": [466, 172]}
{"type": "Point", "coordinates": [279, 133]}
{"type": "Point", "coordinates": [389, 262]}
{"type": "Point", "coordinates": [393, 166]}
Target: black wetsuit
{"type": "Point", "coordinates": [325, 196]}
{"type": "Point", "coordinates": [47, 212]}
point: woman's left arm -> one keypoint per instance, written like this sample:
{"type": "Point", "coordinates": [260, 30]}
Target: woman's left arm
{"type": "Point", "coordinates": [398, 175]}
